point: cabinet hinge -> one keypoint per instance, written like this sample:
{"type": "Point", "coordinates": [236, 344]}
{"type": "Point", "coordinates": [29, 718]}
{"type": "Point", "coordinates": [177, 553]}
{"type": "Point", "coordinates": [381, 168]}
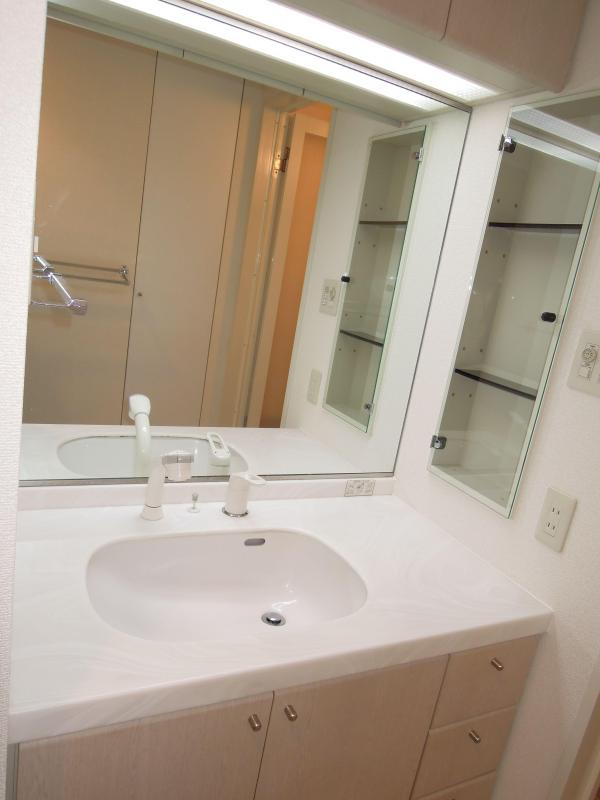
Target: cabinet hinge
{"type": "Point", "coordinates": [507, 144]}
{"type": "Point", "coordinates": [418, 154]}
{"type": "Point", "coordinates": [281, 161]}
{"type": "Point", "coordinates": [438, 442]}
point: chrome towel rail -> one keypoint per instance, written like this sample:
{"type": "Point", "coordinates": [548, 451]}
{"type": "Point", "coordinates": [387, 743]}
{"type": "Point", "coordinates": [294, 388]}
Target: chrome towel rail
{"type": "Point", "coordinates": [46, 272]}
{"type": "Point", "coordinates": [122, 272]}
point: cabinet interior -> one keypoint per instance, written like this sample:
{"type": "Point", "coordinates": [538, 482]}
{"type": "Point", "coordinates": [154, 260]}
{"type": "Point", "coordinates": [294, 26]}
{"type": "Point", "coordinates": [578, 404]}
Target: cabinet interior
{"type": "Point", "coordinates": [540, 210]}
{"type": "Point", "coordinates": [375, 272]}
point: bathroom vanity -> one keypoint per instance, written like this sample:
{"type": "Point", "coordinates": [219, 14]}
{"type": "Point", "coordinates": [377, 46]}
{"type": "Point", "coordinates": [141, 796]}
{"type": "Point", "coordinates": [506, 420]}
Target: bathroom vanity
{"type": "Point", "coordinates": [397, 674]}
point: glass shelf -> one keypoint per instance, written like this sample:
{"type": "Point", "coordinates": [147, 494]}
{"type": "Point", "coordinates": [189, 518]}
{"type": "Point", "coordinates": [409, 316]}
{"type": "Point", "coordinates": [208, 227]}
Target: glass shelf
{"type": "Point", "coordinates": [513, 387]}
{"type": "Point", "coordinates": [392, 223]}
{"type": "Point", "coordinates": [566, 227]}
{"type": "Point", "coordinates": [363, 337]}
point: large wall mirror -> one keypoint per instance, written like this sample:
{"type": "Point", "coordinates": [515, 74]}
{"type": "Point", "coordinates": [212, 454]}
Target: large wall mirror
{"type": "Point", "coordinates": [208, 273]}
{"type": "Point", "coordinates": [542, 203]}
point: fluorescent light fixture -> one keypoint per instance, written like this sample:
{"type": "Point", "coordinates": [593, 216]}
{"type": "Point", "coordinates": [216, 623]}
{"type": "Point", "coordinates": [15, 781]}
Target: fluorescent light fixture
{"type": "Point", "coordinates": [554, 150]}
{"type": "Point", "coordinates": [548, 123]}
{"type": "Point", "coordinates": [326, 35]}
{"type": "Point", "coordinates": [278, 50]}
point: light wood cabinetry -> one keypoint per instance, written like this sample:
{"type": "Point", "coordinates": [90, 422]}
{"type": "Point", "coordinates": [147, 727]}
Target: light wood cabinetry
{"type": "Point", "coordinates": [535, 39]}
{"type": "Point", "coordinates": [207, 754]}
{"type": "Point", "coordinates": [477, 789]}
{"type": "Point", "coordinates": [463, 750]}
{"type": "Point", "coordinates": [472, 720]}
{"type": "Point", "coordinates": [485, 679]}
{"type": "Point", "coordinates": [371, 735]}
{"type": "Point", "coordinates": [427, 16]}
{"type": "Point", "coordinates": [350, 739]}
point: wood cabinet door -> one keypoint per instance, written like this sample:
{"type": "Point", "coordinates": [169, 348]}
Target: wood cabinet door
{"type": "Point", "coordinates": [207, 754]}
{"type": "Point", "coordinates": [354, 738]}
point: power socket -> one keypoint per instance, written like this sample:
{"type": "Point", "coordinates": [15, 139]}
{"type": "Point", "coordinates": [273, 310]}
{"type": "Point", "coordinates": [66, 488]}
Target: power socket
{"type": "Point", "coordinates": [556, 516]}
{"type": "Point", "coordinates": [359, 487]}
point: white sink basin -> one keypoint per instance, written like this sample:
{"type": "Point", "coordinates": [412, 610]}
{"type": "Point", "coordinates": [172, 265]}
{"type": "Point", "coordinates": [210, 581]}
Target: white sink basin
{"type": "Point", "coordinates": [115, 456]}
{"type": "Point", "coordinates": [194, 587]}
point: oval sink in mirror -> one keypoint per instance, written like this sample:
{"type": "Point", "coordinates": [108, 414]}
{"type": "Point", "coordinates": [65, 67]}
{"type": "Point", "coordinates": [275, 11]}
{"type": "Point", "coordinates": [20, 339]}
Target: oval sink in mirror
{"type": "Point", "coordinates": [111, 456]}
{"type": "Point", "coordinates": [194, 587]}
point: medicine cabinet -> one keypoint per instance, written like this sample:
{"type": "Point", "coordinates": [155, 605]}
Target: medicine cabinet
{"type": "Point", "coordinates": [544, 195]}
{"type": "Point", "coordinates": [373, 275]}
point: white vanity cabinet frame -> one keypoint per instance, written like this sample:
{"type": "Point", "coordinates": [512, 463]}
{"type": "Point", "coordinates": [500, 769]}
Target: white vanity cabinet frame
{"type": "Point", "coordinates": [554, 341]}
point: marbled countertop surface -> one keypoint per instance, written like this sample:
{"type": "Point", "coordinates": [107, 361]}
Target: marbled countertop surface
{"type": "Point", "coordinates": [427, 595]}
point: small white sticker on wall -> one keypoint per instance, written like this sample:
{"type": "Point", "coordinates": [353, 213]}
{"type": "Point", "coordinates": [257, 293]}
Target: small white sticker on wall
{"type": "Point", "coordinates": [585, 370]}
{"type": "Point", "coordinates": [314, 384]}
{"type": "Point", "coordinates": [330, 295]}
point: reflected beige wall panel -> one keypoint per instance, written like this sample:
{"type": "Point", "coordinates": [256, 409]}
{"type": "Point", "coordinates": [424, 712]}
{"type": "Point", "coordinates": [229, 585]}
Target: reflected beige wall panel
{"type": "Point", "coordinates": [96, 103]}
{"type": "Point", "coordinates": [190, 158]}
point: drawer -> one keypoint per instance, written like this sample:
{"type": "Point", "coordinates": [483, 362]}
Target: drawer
{"type": "Point", "coordinates": [478, 789]}
{"type": "Point", "coordinates": [451, 756]}
{"type": "Point", "coordinates": [474, 686]}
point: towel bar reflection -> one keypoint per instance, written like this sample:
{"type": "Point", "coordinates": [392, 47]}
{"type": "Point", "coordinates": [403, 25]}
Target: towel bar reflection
{"type": "Point", "coordinates": [46, 272]}
{"type": "Point", "coordinates": [122, 272]}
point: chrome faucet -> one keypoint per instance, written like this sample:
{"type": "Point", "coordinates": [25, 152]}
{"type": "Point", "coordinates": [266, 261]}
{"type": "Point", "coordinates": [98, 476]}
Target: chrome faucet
{"type": "Point", "coordinates": [175, 466]}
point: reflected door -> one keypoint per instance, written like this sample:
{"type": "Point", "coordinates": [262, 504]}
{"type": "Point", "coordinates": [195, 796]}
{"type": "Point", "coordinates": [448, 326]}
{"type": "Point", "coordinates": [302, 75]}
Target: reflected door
{"type": "Point", "coordinates": [374, 273]}
{"type": "Point", "coordinates": [95, 118]}
{"type": "Point", "coordinates": [532, 241]}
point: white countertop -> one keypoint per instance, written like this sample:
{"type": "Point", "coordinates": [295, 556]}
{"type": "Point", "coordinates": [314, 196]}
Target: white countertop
{"type": "Point", "coordinates": [268, 451]}
{"type": "Point", "coordinates": [427, 595]}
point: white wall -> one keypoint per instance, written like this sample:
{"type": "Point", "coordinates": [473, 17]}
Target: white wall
{"type": "Point", "coordinates": [21, 48]}
{"type": "Point", "coordinates": [565, 454]}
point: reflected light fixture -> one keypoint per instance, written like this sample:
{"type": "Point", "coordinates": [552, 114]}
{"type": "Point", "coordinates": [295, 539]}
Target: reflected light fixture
{"type": "Point", "coordinates": [279, 47]}
{"type": "Point", "coordinates": [319, 33]}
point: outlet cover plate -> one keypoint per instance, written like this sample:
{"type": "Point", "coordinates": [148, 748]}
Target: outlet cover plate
{"type": "Point", "coordinates": [585, 370]}
{"type": "Point", "coordinates": [555, 519]}
{"type": "Point", "coordinates": [359, 487]}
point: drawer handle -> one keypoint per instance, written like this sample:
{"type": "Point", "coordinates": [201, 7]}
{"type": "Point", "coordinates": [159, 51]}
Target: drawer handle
{"type": "Point", "coordinates": [291, 713]}
{"type": "Point", "coordinates": [497, 664]}
{"type": "Point", "coordinates": [254, 721]}
{"type": "Point", "coordinates": [474, 736]}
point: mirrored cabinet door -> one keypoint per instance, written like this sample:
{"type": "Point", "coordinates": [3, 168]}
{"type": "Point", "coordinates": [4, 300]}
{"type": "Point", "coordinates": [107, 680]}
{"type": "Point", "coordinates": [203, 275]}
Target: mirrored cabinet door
{"type": "Point", "coordinates": [374, 272]}
{"type": "Point", "coordinates": [541, 206]}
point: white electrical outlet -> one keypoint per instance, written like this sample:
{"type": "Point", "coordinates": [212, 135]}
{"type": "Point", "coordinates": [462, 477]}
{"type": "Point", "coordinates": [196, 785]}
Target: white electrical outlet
{"type": "Point", "coordinates": [314, 384]}
{"type": "Point", "coordinates": [555, 519]}
{"type": "Point", "coordinates": [359, 487]}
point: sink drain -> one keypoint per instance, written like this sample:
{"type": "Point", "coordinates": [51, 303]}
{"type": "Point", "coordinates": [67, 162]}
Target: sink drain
{"type": "Point", "coordinates": [273, 618]}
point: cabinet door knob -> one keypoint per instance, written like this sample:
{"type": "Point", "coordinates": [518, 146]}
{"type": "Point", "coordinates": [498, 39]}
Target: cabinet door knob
{"type": "Point", "coordinates": [290, 713]}
{"type": "Point", "coordinates": [254, 722]}
{"type": "Point", "coordinates": [497, 664]}
{"type": "Point", "coordinates": [474, 736]}
{"type": "Point", "coordinates": [548, 316]}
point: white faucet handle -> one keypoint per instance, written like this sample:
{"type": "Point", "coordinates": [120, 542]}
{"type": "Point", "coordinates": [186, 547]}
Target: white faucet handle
{"type": "Point", "coordinates": [138, 404]}
{"type": "Point", "coordinates": [249, 477]}
{"type": "Point", "coordinates": [238, 489]}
